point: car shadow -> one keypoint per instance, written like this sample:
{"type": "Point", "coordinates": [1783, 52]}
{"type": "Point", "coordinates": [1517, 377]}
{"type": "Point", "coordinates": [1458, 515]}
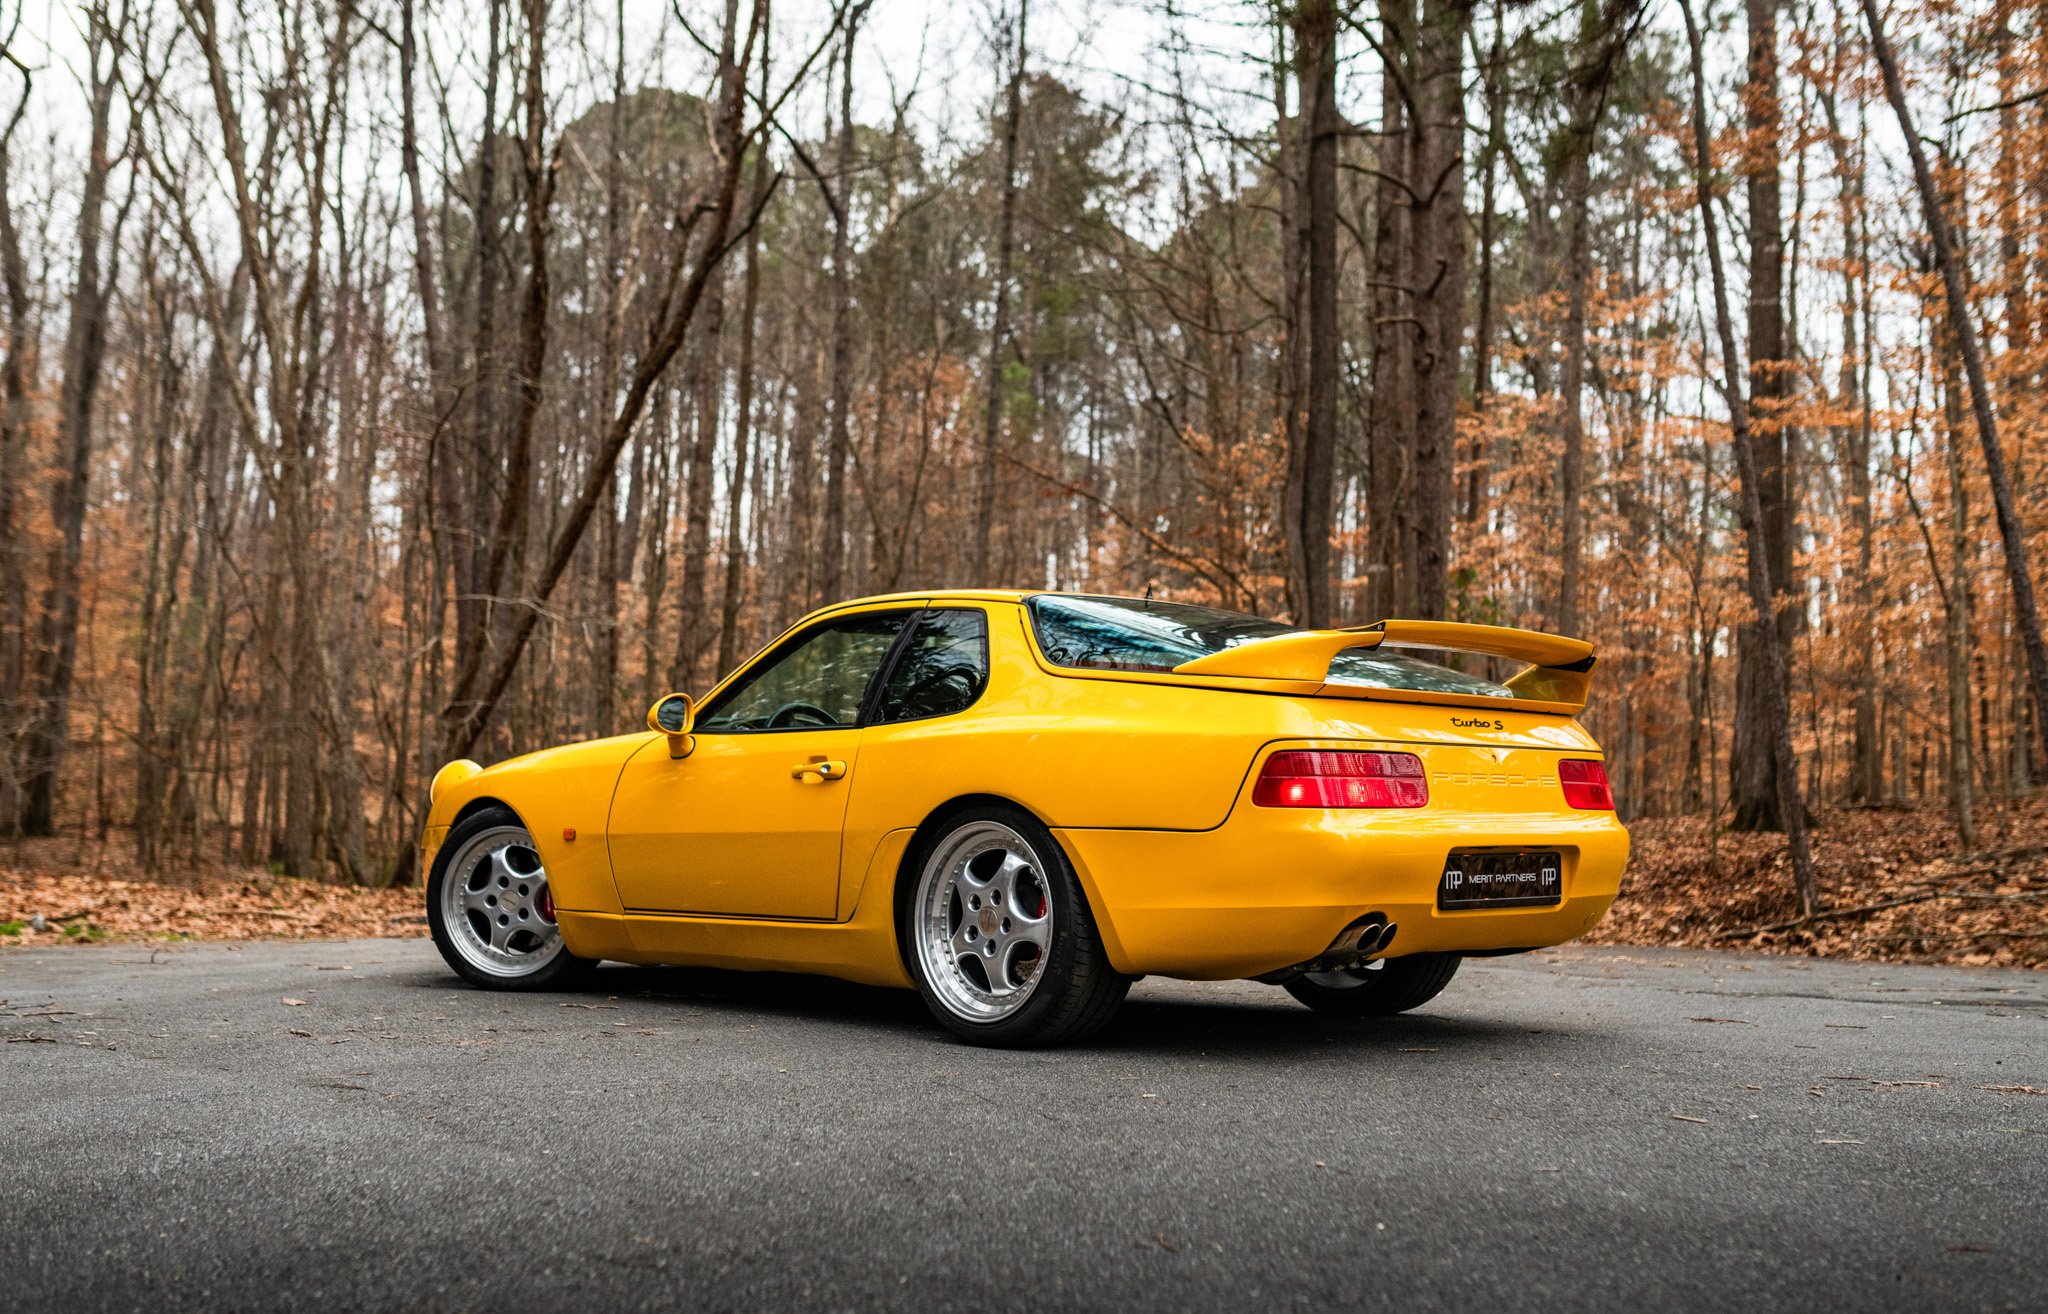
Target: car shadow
{"type": "Point", "coordinates": [1283, 1028]}
{"type": "Point", "coordinates": [784, 994]}
{"type": "Point", "coordinates": [1227, 1025]}
{"type": "Point", "coordinates": [1231, 1024]}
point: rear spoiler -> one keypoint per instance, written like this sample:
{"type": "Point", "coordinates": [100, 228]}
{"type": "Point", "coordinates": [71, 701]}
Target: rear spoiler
{"type": "Point", "coordinates": [1560, 669]}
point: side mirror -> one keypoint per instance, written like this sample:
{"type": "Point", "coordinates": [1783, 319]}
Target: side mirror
{"type": "Point", "coordinates": [673, 716]}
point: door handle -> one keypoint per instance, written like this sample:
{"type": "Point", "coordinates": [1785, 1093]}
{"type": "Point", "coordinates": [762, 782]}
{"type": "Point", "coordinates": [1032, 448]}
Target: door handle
{"type": "Point", "coordinates": [822, 769]}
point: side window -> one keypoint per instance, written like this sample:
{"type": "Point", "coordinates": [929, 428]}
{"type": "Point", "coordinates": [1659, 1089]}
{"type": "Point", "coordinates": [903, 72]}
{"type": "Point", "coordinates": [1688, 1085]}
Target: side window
{"type": "Point", "coordinates": [942, 670]}
{"type": "Point", "coordinates": [817, 682]}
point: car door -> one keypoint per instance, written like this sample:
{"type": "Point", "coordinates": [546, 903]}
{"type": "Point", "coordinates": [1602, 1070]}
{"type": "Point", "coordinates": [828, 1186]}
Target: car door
{"type": "Point", "coordinates": [749, 824]}
{"type": "Point", "coordinates": [922, 744]}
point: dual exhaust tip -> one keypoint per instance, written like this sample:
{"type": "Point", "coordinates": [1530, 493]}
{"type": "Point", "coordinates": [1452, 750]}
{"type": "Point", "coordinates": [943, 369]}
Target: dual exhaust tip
{"type": "Point", "coordinates": [1364, 939]}
{"type": "Point", "coordinates": [1369, 935]}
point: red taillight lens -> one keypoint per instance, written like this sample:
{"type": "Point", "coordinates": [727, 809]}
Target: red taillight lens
{"type": "Point", "coordinates": [1585, 785]}
{"type": "Point", "coordinates": [1341, 780]}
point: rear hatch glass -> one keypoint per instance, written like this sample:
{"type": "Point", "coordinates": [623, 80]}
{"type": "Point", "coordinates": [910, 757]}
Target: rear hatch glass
{"type": "Point", "coordinates": [1125, 634]}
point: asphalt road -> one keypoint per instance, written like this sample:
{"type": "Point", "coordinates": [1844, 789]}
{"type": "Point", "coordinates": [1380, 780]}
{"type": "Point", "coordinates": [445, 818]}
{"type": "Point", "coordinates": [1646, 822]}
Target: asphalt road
{"type": "Point", "coordinates": [1583, 1128]}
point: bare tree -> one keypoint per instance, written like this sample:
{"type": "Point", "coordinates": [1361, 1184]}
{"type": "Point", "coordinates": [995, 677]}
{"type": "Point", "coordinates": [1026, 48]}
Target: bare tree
{"type": "Point", "coordinates": [85, 344]}
{"type": "Point", "coordinates": [15, 378]}
{"type": "Point", "coordinates": [1749, 500]}
{"type": "Point", "coordinates": [705, 236]}
{"type": "Point", "coordinates": [2011, 534]}
{"type": "Point", "coordinates": [1312, 461]}
{"type": "Point", "coordinates": [999, 321]}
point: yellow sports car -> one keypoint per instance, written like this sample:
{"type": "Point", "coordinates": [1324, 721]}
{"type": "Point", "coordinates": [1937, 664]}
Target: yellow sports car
{"type": "Point", "coordinates": [1018, 803]}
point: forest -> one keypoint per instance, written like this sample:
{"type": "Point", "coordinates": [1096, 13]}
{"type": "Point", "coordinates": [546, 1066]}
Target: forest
{"type": "Point", "coordinates": [388, 381]}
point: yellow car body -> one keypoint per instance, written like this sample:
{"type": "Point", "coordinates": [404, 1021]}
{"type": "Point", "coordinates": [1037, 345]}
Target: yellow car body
{"type": "Point", "coordinates": [763, 851]}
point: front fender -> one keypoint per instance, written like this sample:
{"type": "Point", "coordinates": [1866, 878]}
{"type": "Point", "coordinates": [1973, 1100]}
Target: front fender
{"type": "Point", "coordinates": [563, 795]}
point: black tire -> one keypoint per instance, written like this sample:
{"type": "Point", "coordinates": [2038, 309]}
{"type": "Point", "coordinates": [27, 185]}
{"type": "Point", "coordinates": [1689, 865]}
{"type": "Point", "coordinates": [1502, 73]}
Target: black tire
{"type": "Point", "coordinates": [1073, 989]}
{"type": "Point", "coordinates": [555, 969]}
{"type": "Point", "coordinates": [1393, 986]}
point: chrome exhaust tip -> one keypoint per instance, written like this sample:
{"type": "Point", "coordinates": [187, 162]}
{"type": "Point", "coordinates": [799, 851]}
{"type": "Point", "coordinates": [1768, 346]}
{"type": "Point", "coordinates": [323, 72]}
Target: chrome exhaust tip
{"type": "Point", "coordinates": [1361, 940]}
{"type": "Point", "coordinates": [1361, 937]}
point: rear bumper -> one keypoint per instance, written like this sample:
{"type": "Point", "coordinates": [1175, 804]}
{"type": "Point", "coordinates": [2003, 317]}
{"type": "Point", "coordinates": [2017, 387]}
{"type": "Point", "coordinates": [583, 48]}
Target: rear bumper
{"type": "Point", "coordinates": [1273, 887]}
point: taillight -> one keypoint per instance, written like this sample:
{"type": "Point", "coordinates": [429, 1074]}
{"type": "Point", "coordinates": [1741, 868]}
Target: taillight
{"type": "Point", "coordinates": [1341, 780]}
{"type": "Point", "coordinates": [1585, 785]}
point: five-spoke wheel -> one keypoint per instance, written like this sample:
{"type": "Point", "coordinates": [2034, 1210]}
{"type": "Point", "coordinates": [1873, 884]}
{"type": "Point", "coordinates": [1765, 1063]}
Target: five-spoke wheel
{"type": "Point", "coordinates": [999, 935]}
{"type": "Point", "coordinates": [987, 922]}
{"type": "Point", "coordinates": [492, 914]}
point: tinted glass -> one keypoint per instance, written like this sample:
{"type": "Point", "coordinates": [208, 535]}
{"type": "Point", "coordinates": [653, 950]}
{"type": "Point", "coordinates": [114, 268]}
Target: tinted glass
{"type": "Point", "coordinates": [1379, 668]}
{"type": "Point", "coordinates": [1128, 635]}
{"type": "Point", "coordinates": [941, 671]}
{"type": "Point", "coordinates": [821, 681]}
{"type": "Point", "coordinates": [1116, 634]}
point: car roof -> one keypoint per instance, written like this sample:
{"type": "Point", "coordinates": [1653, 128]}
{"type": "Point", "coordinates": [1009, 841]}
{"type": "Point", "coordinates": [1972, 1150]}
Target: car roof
{"type": "Point", "coordinates": [964, 595]}
{"type": "Point", "coordinates": [956, 595]}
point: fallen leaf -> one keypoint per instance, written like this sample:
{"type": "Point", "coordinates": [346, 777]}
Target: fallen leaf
{"type": "Point", "coordinates": [289, 1002]}
{"type": "Point", "coordinates": [2015, 1090]}
{"type": "Point", "coordinates": [1680, 1117]}
{"type": "Point", "coordinates": [1840, 1142]}
{"type": "Point", "coordinates": [1738, 1021]}
{"type": "Point", "coordinates": [297, 1032]}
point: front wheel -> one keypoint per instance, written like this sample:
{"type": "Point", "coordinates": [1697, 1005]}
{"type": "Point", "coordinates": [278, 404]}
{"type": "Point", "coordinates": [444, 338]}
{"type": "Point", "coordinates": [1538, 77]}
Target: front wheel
{"type": "Point", "coordinates": [1380, 988]}
{"type": "Point", "coordinates": [999, 938]}
{"type": "Point", "coordinates": [491, 911]}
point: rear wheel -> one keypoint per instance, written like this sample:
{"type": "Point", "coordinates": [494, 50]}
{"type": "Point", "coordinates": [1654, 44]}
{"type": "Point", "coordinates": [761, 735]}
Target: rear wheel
{"type": "Point", "coordinates": [998, 935]}
{"type": "Point", "coordinates": [491, 911]}
{"type": "Point", "coordinates": [1380, 988]}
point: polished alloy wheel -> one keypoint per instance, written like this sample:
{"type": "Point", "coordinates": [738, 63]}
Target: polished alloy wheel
{"type": "Point", "coordinates": [496, 906]}
{"type": "Point", "coordinates": [984, 921]}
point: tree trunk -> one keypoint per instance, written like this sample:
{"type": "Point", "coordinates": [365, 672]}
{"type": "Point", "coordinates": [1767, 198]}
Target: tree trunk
{"type": "Point", "coordinates": [1578, 272]}
{"type": "Point", "coordinates": [1602, 32]}
{"type": "Point", "coordinates": [613, 544]}
{"type": "Point", "coordinates": [14, 400]}
{"type": "Point", "coordinates": [693, 624]}
{"type": "Point", "coordinates": [1394, 406]}
{"type": "Point", "coordinates": [742, 429]}
{"type": "Point", "coordinates": [1866, 750]}
{"type": "Point", "coordinates": [1312, 466]}
{"type": "Point", "coordinates": [1757, 556]}
{"type": "Point", "coordinates": [1438, 267]}
{"type": "Point", "coordinates": [1485, 331]}
{"type": "Point", "coordinates": [999, 325]}
{"type": "Point", "coordinates": [1961, 774]}
{"type": "Point", "coordinates": [1753, 788]}
{"type": "Point", "coordinates": [475, 491]}
{"type": "Point", "coordinates": [838, 440]}
{"type": "Point", "coordinates": [85, 341]}
{"type": "Point", "coordinates": [1290, 369]}
{"type": "Point", "coordinates": [1419, 306]}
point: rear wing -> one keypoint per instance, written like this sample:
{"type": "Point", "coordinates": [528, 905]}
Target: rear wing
{"type": "Point", "coordinates": [1560, 669]}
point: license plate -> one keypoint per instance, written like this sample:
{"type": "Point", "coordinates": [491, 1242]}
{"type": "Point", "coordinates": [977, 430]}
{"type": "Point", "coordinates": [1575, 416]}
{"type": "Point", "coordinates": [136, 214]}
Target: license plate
{"type": "Point", "coordinates": [1501, 880]}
